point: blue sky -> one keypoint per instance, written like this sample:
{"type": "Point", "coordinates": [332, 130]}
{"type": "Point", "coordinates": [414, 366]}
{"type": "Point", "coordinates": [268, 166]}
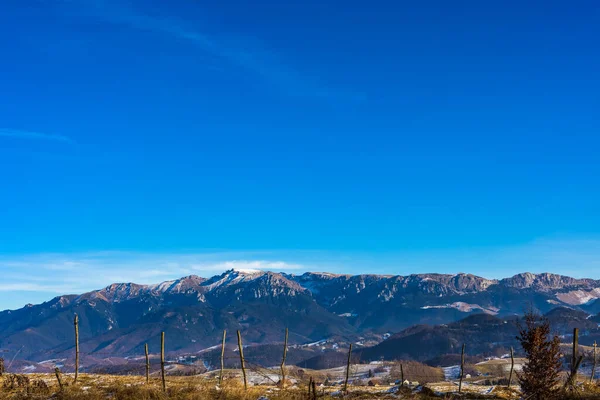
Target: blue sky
{"type": "Point", "coordinates": [392, 137]}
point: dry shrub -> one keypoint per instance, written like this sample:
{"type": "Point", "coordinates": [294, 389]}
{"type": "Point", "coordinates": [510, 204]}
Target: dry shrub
{"type": "Point", "coordinates": [14, 381]}
{"type": "Point", "coordinates": [416, 371]}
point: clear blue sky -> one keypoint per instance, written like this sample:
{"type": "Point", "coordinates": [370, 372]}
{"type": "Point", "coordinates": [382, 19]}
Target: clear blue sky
{"type": "Point", "coordinates": [359, 132]}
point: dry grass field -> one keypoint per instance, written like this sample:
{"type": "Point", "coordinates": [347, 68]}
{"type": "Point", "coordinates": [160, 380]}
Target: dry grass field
{"type": "Point", "coordinates": [205, 387]}
{"type": "Point", "coordinates": [102, 387]}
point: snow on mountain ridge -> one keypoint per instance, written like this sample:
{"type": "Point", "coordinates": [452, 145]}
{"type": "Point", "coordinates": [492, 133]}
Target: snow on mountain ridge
{"type": "Point", "coordinates": [331, 289]}
{"type": "Point", "coordinates": [248, 270]}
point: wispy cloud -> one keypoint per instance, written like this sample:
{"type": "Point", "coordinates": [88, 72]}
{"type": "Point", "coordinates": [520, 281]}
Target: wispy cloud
{"type": "Point", "coordinates": [241, 52]}
{"type": "Point", "coordinates": [263, 265]}
{"type": "Point", "coordinates": [33, 287]}
{"type": "Point", "coordinates": [38, 277]}
{"type": "Point", "coordinates": [576, 257]}
{"type": "Point", "coordinates": [46, 275]}
{"type": "Point", "coordinates": [19, 134]}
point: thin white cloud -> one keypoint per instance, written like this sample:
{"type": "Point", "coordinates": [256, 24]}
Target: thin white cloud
{"type": "Point", "coordinates": [33, 287]}
{"type": "Point", "coordinates": [37, 277]}
{"type": "Point", "coordinates": [575, 257]}
{"type": "Point", "coordinates": [19, 134]}
{"type": "Point", "coordinates": [240, 52]}
{"type": "Point", "coordinates": [82, 272]}
{"type": "Point", "coordinates": [262, 265]}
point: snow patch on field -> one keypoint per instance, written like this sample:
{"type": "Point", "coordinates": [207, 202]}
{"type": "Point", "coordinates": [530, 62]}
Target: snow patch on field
{"type": "Point", "coordinates": [320, 342]}
{"type": "Point", "coordinates": [52, 361]}
{"type": "Point", "coordinates": [465, 307]}
{"type": "Point", "coordinates": [452, 372]}
{"type": "Point", "coordinates": [578, 297]}
{"type": "Point", "coordinates": [209, 349]}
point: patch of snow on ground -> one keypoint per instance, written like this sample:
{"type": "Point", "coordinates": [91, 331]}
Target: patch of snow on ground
{"type": "Point", "coordinates": [209, 349]}
{"type": "Point", "coordinates": [452, 372]}
{"type": "Point", "coordinates": [464, 307]}
{"type": "Point", "coordinates": [54, 360]}
{"type": "Point", "coordinates": [320, 342]}
{"type": "Point", "coordinates": [578, 297]}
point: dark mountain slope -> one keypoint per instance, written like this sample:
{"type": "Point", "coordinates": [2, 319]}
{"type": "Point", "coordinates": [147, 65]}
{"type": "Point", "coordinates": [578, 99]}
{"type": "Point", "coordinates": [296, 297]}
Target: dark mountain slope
{"type": "Point", "coordinates": [193, 311]}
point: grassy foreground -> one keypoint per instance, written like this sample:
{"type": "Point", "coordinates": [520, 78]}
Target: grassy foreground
{"type": "Point", "coordinates": [103, 387]}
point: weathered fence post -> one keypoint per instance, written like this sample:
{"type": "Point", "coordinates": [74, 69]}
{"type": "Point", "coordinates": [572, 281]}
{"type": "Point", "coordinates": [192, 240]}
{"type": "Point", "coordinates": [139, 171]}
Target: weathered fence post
{"type": "Point", "coordinates": [402, 375]}
{"type": "Point", "coordinates": [572, 378]}
{"type": "Point", "coordinates": [310, 381]}
{"type": "Point", "coordinates": [147, 363]}
{"type": "Point", "coordinates": [285, 344]}
{"type": "Point", "coordinates": [593, 364]}
{"type": "Point", "coordinates": [162, 361]}
{"type": "Point", "coordinates": [76, 323]}
{"type": "Point", "coordinates": [241, 350]}
{"type": "Point", "coordinates": [1, 366]}
{"type": "Point", "coordinates": [512, 366]}
{"type": "Point", "coordinates": [57, 372]}
{"type": "Point", "coordinates": [314, 390]}
{"type": "Point", "coordinates": [575, 354]}
{"type": "Point", "coordinates": [575, 362]}
{"type": "Point", "coordinates": [462, 368]}
{"type": "Point", "coordinates": [348, 369]}
{"type": "Point", "coordinates": [222, 357]}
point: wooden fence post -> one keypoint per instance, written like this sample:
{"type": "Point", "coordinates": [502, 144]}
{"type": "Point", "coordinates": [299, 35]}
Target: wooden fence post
{"type": "Point", "coordinates": [575, 354]}
{"type": "Point", "coordinates": [162, 361]}
{"type": "Point", "coordinates": [57, 372]}
{"type": "Point", "coordinates": [310, 381]}
{"type": "Point", "coordinates": [241, 350]}
{"type": "Point", "coordinates": [314, 390]}
{"type": "Point", "coordinates": [462, 368]}
{"type": "Point", "coordinates": [1, 366]}
{"type": "Point", "coordinates": [147, 363]}
{"type": "Point", "coordinates": [572, 378]}
{"type": "Point", "coordinates": [285, 344]}
{"type": "Point", "coordinates": [594, 363]}
{"type": "Point", "coordinates": [402, 375]}
{"type": "Point", "coordinates": [575, 362]}
{"type": "Point", "coordinates": [348, 368]}
{"type": "Point", "coordinates": [76, 323]}
{"type": "Point", "coordinates": [512, 366]}
{"type": "Point", "coordinates": [222, 357]}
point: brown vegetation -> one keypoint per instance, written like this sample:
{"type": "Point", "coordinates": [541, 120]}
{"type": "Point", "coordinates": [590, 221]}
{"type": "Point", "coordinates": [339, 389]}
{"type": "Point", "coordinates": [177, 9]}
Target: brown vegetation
{"type": "Point", "coordinates": [416, 371]}
{"type": "Point", "coordinates": [102, 387]}
{"type": "Point", "coordinates": [541, 372]}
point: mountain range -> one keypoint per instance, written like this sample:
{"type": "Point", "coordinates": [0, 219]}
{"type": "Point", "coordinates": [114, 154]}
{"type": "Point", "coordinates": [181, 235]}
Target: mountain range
{"type": "Point", "coordinates": [118, 320]}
